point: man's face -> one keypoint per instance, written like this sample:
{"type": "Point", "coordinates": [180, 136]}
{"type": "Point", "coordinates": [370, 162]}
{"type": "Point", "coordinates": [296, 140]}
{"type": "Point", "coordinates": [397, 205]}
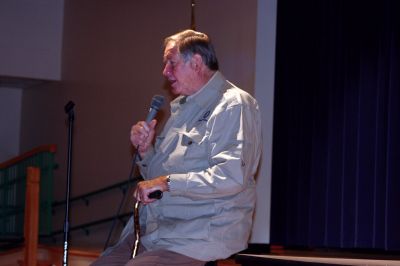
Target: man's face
{"type": "Point", "coordinates": [179, 73]}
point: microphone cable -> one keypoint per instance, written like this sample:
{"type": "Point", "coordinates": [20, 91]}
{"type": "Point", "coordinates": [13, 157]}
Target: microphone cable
{"type": "Point", "coordinates": [131, 180]}
{"type": "Point", "coordinates": [156, 102]}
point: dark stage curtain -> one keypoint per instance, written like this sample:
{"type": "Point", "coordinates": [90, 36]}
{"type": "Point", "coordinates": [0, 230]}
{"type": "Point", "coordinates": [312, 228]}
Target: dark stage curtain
{"type": "Point", "coordinates": [336, 155]}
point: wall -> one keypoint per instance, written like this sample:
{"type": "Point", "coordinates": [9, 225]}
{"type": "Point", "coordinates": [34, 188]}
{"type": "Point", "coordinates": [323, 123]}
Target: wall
{"type": "Point", "coordinates": [264, 93]}
{"type": "Point", "coordinates": [30, 49]}
{"type": "Point", "coordinates": [31, 41]}
{"type": "Point", "coordinates": [10, 113]}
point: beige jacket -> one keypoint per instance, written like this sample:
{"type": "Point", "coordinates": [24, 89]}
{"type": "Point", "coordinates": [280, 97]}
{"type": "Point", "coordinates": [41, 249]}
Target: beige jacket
{"type": "Point", "coordinates": [210, 147]}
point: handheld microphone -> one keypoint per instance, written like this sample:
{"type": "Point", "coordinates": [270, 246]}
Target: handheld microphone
{"type": "Point", "coordinates": [156, 103]}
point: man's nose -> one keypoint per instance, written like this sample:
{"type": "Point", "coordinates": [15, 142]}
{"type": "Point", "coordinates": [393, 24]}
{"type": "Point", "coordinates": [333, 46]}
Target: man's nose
{"type": "Point", "coordinates": [166, 70]}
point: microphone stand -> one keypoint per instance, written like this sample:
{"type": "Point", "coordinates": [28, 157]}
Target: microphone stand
{"type": "Point", "coordinates": [69, 109]}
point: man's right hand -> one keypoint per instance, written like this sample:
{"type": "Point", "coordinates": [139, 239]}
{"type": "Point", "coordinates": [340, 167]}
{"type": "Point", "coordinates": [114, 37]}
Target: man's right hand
{"type": "Point", "coordinates": [144, 188]}
{"type": "Point", "coordinates": [142, 135]}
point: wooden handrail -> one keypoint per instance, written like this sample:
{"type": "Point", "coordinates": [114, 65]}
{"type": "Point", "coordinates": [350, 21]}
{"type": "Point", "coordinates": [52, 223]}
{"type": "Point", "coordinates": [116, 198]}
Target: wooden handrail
{"type": "Point", "coordinates": [44, 148]}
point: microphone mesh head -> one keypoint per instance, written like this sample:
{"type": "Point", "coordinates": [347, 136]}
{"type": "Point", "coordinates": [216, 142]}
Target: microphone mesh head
{"type": "Point", "coordinates": [157, 102]}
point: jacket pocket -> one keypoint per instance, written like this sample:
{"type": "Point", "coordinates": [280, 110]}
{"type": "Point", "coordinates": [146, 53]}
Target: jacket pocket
{"type": "Point", "coordinates": [186, 221]}
{"type": "Point", "coordinates": [195, 229]}
{"type": "Point", "coordinates": [196, 156]}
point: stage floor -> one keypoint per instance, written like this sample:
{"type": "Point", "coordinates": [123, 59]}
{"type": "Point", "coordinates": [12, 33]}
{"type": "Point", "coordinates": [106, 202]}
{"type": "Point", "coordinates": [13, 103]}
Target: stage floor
{"type": "Point", "coordinates": [270, 260]}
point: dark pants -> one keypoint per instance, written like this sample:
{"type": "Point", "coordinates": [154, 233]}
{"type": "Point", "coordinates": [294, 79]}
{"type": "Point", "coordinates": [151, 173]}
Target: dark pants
{"type": "Point", "coordinates": [122, 255]}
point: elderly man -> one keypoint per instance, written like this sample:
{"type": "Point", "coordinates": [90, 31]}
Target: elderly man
{"type": "Point", "coordinates": [204, 162]}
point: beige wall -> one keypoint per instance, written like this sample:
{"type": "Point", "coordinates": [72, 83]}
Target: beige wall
{"type": "Point", "coordinates": [31, 38]}
{"type": "Point", "coordinates": [112, 63]}
{"type": "Point", "coordinates": [10, 124]}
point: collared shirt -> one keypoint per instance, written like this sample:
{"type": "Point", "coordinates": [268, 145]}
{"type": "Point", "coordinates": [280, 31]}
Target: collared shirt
{"type": "Point", "coordinates": [210, 147]}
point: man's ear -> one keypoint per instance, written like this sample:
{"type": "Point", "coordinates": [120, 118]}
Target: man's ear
{"type": "Point", "coordinates": [197, 62]}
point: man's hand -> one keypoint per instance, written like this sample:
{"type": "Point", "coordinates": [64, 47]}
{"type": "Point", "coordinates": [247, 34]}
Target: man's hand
{"type": "Point", "coordinates": [144, 188]}
{"type": "Point", "coordinates": [142, 135]}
